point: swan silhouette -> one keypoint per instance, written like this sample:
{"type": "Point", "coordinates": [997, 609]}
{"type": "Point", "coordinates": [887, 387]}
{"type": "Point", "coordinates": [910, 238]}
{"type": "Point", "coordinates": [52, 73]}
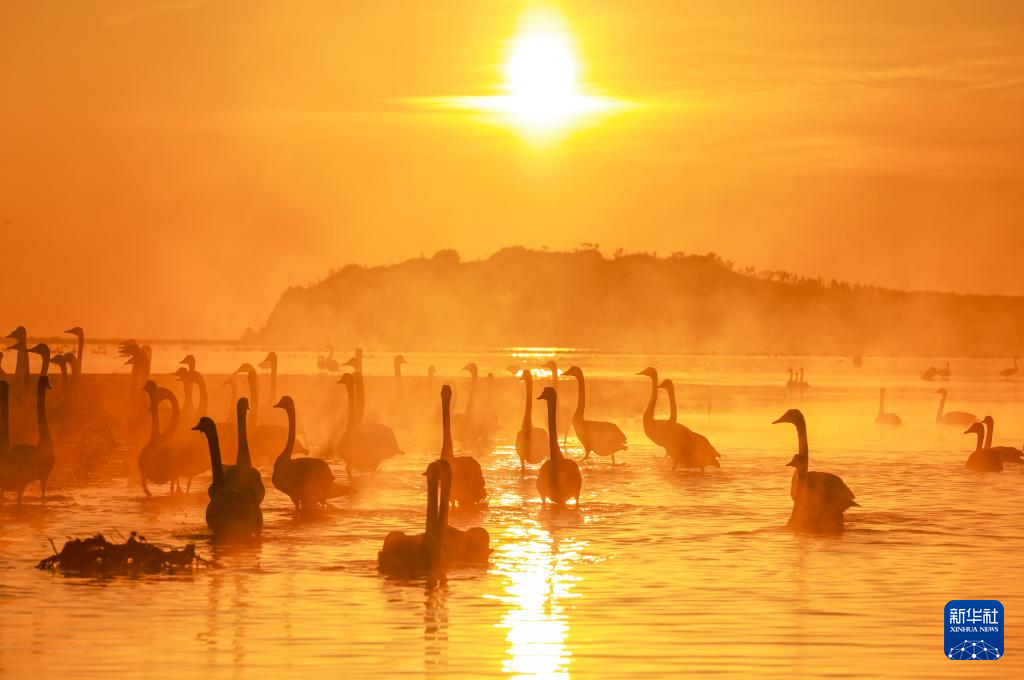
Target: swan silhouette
{"type": "Point", "coordinates": [559, 478]}
{"type": "Point", "coordinates": [80, 336]}
{"type": "Point", "coordinates": [952, 418]}
{"type": "Point", "coordinates": [21, 374]}
{"type": "Point", "coordinates": [232, 512]}
{"type": "Point", "coordinates": [883, 418]}
{"type": "Point", "coordinates": [364, 446]}
{"type": "Point", "coordinates": [982, 459]}
{"type": "Point", "coordinates": [596, 436]}
{"type": "Point", "coordinates": [686, 447]}
{"type": "Point", "coordinates": [420, 554]}
{"type": "Point", "coordinates": [531, 442]}
{"type": "Point", "coordinates": [467, 479]}
{"type": "Point", "coordinates": [243, 475]}
{"type": "Point", "coordinates": [158, 459]}
{"type": "Point", "coordinates": [1007, 454]}
{"type": "Point", "coordinates": [1009, 373]}
{"type": "Point", "coordinates": [193, 455]}
{"type": "Point", "coordinates": [464, 425]}
{"type": "Point", "coordinates": [328, 364]}
{"type": "Point", "coordinates": [23, 464]}
{"type": "Point", "coordinates": [820, 499]}
{"type": "Point", "coordinates": [309, 482]}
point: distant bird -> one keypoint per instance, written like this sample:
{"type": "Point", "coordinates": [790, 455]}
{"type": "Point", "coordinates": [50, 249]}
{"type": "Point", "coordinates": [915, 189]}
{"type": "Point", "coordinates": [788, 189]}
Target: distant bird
{"type": "Point", "coordinates": [308, 482]}
{"type": "Point", "coordinates": [531, 441]}
{"type": "Point", "coordinates": [930, 374]}
{"type": "Point", "coordinates": [328, 364]}
{"type": "Point", "coordinates": [596, 436]}
{"type": "Point", "coordinates": [1007, 454]}
{"type": "Point", "coordinates": [820, 499]}
{"type": "Point", "coordinates": [468, 486]}
{"type": "Point", "coordinates": [858, 361]}
{"type": "Point", "coordinates": [23, 464]}
{"type": "Point", "coordinates": [944, 373]}
{"type": "Point", "coordinates": [233, 512]}
{"type": "Point", "coordinates": [559, 478]}
{"type": "Point", "coordinates": [364, 446]}
{"type": "Point", "coordinates": [802, 384]}
{"type": "Point", "coordinates": [952, 418]}
{"type": "Point", "coordinates": [884, 418]}
{"type": "Point", "coordinates": [982, 459]}
{"type": "Point", "coordinates": [1009, 373]}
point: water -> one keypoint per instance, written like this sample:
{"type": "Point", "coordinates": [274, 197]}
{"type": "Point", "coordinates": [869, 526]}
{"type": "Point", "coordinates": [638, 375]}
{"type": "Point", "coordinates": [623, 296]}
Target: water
{"type": "Point", "coordinates": [657, 574]}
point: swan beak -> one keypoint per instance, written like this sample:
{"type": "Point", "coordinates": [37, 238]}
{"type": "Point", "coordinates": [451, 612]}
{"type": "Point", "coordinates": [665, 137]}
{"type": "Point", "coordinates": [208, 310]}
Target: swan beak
{"type": "Point", "coordinates": [776, 422]}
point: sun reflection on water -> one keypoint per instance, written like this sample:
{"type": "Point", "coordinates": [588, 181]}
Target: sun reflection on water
{"type": "Point", "coordinates": [537, 569]}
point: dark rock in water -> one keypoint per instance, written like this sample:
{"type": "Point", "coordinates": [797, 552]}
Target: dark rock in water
{"type": "Point", "coordinates": [96, 556]}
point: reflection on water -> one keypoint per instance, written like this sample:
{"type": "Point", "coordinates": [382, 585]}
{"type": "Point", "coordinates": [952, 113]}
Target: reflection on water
{"type": "Point", "coordinates": [435, 631]}
{"type": "Point", "coordinates": [538, 574]}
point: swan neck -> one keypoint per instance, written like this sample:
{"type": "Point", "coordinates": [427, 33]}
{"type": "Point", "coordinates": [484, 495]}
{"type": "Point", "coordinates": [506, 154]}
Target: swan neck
{"type": "Point", "coordinates": [980, 444]}
{"type": "Point", "coordinates": [446, 428]}
{"type": "Point", "coordinates": [431, 506]}
{"type": "Point", "coordinates": [175, 416]}
{"type": "Point", "coordinates": [942, 406]}
{"type": "Point", "coordinates": [351, 423]}
{"type": "Point", "coordinates": [216, 464]}
{"type": "Point", "coordinates": [289, 444]}
{"type": "Point", "coordinates": [244, 460]}
{"type": "Point", "coordinates": [801, 436]}
{"type": "Point", "coordinates": [581, 397]}
{"type": "Point", "coordinates": [672, 413]}
{"type": "Point", "coordinates": [528, 410]}
{"type": "Point", "coordinates": [651, 401]}
{"type": "Point", "coordinates": [556, 453]}
{"type": "Point", "coordinates": [45, 438]}
{"type": "Point", "coordinates": [154, 423]}
{"type": "Point", "coordinates": [203, 395]}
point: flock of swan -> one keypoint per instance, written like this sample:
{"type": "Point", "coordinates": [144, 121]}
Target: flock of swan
{"type": "Point", "coordinates": [167, 453]}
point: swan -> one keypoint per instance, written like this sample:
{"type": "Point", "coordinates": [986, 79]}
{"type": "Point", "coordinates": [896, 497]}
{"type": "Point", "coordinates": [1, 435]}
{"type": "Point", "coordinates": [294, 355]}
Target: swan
{"type": "Point", "coordinates": [564, 415]}
{"type": "Point", "coordinates": [309, 482]}
{"type": "Point", "coordinates": [356, 363]}
{"type": "Point", "coordinates": [61, 362]}
{"type": "Point", "coordinates": [193, 457]}
{"type": "Point", "coordinates": [74, 368]}
{"type": "Point", "coordinates": [231, 512]}
{"type": "Point", "coordinates": [930, 374]}
{"type": "Point", "coordinates": [952, 418]}
{"type": "Point", "coordinates": [982, 459]}
{"type": "Point", "coordinates": [800, 382]}
{"type": "Point", "coordinates": [597, 436]}
{"type": "Point", "coordinates": [686, 447]}
{"type": "Point", "coordinates": [1008, 373]}
{"type": "Point", "coordinates": [189, 362]}
{"type": "Point", "coordinates": [20, 337]}
{"type": "Point", "coordinates": [158, 459]}
{"type": "Point", "coordinates": [242, 475]}
{"type": "Point", "coordinates": [559, 478]}
{"type": "Point", "coordinates": [468, 487]}
{"type": "Point", "coordinates": [1007, 454]}
{"type": "Point", "coordinates": [464, 426]}
{"type": "Point", "coordinates": [328, 364]}
{"type": "Point", "coordinates": [27, 463]}
{"type": "Point", "coordinates": [80, 335]}
{"type": "Point", "coordinates": [531, 442]}
{"type": "Point", "coordinates": [401, 413]}
{"type": "Point", "coordinates": [364, 446]}
{"type": "Point", "coordinates": [419, 554]}
{"type": "Point", "coordinates": [820, 499]}
{"type": "Point", "coordinates": [884, 418]}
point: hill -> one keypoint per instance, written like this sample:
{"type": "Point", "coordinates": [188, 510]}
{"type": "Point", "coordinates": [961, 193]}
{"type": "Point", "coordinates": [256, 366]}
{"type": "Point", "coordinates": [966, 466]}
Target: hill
{"type": "Point", "coordinates": [631, 302]}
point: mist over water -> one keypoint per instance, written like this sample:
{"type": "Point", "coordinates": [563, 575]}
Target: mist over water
{"type": "Point", "coordinates": [657, 573]}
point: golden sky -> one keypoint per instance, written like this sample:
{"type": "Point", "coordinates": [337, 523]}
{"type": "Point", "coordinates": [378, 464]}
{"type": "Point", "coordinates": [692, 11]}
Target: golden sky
{"type": "Point", "coordinates": [170, 166]}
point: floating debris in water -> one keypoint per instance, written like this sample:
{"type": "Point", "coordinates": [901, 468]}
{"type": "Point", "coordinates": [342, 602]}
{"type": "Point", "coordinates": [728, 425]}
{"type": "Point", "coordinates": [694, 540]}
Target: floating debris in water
{"type": "Point", "coordinates": [96, 556]}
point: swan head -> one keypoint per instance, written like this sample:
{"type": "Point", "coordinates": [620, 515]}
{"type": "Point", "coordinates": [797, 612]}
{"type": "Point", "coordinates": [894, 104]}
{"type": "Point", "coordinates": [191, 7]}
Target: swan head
{"type": "Point", "coordinates": [248, 369]}
{"type": "Point", "coordinates": [59, 359]}
{"type": "Point", "coordinates": [270, 361]}
{"type": "Point", "coordinates": [551, 366]}
{"type": "Point", "coordinates": [666, 384]}
{"type": "Point", "coordinates": [399, 360]}
{"type": "Point", "coordinates": [548, 394]}
{"type": "Point", "coordinates": [76, 331]}
{"type": "Point", "coordinates": [42, 349]}
{"type": "Point", "coordinates": [471, 367]}
{"type": "Point", "coordinates": [285, 403]}
{"type": "Point", "coordinates": [976, 428]}
{"type": "Point", "coordinates": [19, 334]}
{"type": "Point", "coordinates": [181, 374]}
{"type": "Point", "coordinates": [575, 372]}
{"type": "Point", "coordinates": [241, 408]}
{"type": "Point", "coordinates": [345, 379]}
{"type": "Point", "coordinates": [798, 461]}
{"type": "Point", "coordinates": [527, 375]}
{"type": "Point", "coordinates": [150, 389]}
{"type": "Point", "coordinates": [205, 425]}
{"type": "Point", "coordinates": [988, 421]}
{"type": "Point", "coordinates": [792, 416]}
{"type": "Point", "coordinates": [189, 361]}
{"type": "Point", "coordinates": [446, 392]}
{"type": "Point", "coordinates": [431, 371]}
{"type": "Point", "coordinates": [942, 390]}
{"type": "Point", "coordinates": [650, 372]}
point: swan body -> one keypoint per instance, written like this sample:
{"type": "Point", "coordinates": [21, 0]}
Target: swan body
{"type": "Point", "coordinates": [232, 512]}
{"type": "Point", "coordinates": [982, 459]}
{"type": "Point", "coordinates": [952, 418]}
{"type": "Point", "coordinates": [559, 478]}
{"type": "Point", "coordinates": [1009, 373]}
{"type": "Point", "coordinates": [883, 418]}
{"type": "Point", "coordinates": [23, 464]}
{"type": "Point", "coordinates": [531, 442]}
{"type": "Point", "coordinates": [158, 459]}
{"type": "Point", "coordinates": [686, 447]}
{"type": "Point", "coordinates": [309, 482]}
{"type": "Point", "coordinates": [596, 436]}
{"type": "Point", "coordinates": [820, 499]}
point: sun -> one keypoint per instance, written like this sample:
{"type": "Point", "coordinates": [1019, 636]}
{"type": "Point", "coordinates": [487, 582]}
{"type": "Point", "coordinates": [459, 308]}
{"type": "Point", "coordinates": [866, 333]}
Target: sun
{"type": "Point", "coordinates": [542, 93]}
